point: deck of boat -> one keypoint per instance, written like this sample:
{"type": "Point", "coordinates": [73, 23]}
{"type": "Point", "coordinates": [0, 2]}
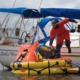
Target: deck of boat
{"type": "Point", "coordinates": [72, 54]}
{"type": "Point", "coordinates": [75, 52]}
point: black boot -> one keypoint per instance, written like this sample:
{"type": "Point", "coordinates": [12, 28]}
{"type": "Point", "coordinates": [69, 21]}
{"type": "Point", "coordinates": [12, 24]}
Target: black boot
{"type": "Point", "coordinates": [69, 50]}
{"type": "Point", "coordinates": [58, 47]}
{"type": "Point", "coordinates": [68, 46]}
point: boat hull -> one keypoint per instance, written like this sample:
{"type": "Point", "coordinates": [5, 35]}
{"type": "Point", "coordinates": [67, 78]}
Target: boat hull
{"type": "Point", "coordinates": [8, 54]}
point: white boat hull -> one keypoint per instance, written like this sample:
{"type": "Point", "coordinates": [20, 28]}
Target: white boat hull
{"type": "Point", "coordinates": [8, 54]}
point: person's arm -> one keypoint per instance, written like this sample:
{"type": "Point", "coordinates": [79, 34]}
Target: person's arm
{"type": "Point", "coordinates": [72, 20]}
{"type": "Point", "coordinates": [64, 21]}
{"type": "Point", "coordinates": [51, 37]}
{"type": "Point", "coordinates": [51, 41]}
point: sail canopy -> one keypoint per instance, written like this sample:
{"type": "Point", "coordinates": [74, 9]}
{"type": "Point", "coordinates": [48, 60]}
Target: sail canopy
{"type": "Point", "coordinates": [44, 12]}
{"type": "Point", "coordinates": [44, 21]}
{"type": "Point", "coordinates": [42, 24]}
{"type": "Point", "coordinates": [61, 12]}
{"type": "Point", "coordinates": [25, 12]}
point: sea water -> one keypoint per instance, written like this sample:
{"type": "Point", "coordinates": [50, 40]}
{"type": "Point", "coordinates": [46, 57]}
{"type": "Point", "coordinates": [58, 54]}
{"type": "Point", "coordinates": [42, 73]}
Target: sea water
{"type": "Point", "coordinates": [8, 75]}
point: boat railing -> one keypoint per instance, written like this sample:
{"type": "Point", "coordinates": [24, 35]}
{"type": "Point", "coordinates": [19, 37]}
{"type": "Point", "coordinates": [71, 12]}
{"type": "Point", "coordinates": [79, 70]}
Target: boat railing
{"type": "Point", "coordinates": [75, 43]}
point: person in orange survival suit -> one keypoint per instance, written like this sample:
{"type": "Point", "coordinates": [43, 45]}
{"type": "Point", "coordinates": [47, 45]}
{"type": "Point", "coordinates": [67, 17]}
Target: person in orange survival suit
{"type": "Point", "coordinates": [62, 33]}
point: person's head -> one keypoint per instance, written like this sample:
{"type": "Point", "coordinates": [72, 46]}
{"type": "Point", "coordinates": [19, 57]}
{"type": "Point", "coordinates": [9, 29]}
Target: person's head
{"type": "Point", "coordinates": [54, 24]}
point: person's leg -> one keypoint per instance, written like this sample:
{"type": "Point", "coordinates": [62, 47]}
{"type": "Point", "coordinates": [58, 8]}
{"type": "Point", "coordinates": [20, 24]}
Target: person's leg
{"type": "Point", "coordinates": [67, 42]}
{"type": "Point", "coordinates": [58, 48]}
{"type": "Point", "coordinates": [59, 42]}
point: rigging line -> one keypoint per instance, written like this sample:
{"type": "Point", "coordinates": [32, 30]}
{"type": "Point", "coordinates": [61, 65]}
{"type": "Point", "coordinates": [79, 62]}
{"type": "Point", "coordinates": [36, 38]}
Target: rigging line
{"type": "Point", "coordinates": [21, 24]}
{"type": "Point", "coordinates": [28, 19]}
{"type": "Point", "coordinates": [7, 14]}
{"type": "Point", "coordinates": [40, 5]}
{"type": "Point", "coordinates": [26, 22]}
{"type": "Point", "coordinates": [15, 25]}
{"type": "Point", "coordinates": [14, 3]}
{"type": "Point", "coordinates": [38, 19]}
{"type": "Point", "coordinates": [4, 20]}
{"type": "Point", "coordinates": [31, 15]}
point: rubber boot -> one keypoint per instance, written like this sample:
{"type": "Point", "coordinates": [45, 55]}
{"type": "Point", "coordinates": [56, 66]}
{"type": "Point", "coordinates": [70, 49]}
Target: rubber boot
{"type": "Point", "coordinates": [58, 47]}
{"type": "Point", "coordinates": [68, 46]}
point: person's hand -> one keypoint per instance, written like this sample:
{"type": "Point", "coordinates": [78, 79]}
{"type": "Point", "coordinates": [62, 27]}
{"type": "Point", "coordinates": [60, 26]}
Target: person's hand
{"type": "Point", "coordinates": [76, 21]}
{"type": "Point", "coordinates": [52, 47]}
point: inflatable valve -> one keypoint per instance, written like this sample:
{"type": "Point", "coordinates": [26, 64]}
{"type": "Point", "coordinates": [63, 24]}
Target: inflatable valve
{"type": "Point", "coordinates": [39, 57]}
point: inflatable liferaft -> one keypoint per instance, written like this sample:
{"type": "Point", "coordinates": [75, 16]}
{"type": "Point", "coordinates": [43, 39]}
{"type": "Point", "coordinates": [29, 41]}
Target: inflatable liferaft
{"type": "Point", "coordinates": [54, 70]}
{"type": "Point", "coordinates": [30, 63]}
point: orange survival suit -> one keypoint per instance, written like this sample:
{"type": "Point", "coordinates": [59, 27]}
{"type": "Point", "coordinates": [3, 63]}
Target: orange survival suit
{"type": "Point", "coordinates": [62, 33]}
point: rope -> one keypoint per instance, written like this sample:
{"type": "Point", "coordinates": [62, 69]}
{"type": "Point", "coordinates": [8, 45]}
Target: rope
{"type": "Point", "coordinates": [7, 19]}
{"type": "Point", "coordinates": [21, 24]}
{"type": "Point", "coordinates": [15, 25]}
{"type": "Point", "coordinates": [14, 3]}
{"type": "Point", "coordinates": [4, 19]}
{"type": "Point", "coordinates": [40, 5]}
{"type": "Point", "coordinates": [27, 20]}
{"type": "Point", "coordinates": [38, 19]}
{"type": "Point", "coordinates": [8, 14]}
{"type": "Point", "coordinates": [30, 16]}
{"type": "Point", "coordinates": [24, 25]}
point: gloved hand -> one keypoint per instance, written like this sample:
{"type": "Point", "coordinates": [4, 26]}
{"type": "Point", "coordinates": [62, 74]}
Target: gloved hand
{"type": "Point", "coordinates": [52, 47]}
{"type": "Point", "coordinates": [76, 21]}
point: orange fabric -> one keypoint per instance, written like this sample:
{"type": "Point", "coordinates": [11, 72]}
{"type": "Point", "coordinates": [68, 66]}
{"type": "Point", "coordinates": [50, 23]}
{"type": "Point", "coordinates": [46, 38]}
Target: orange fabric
{"type": "Point", "coordinates": [61, 30]}
{"type": "Point", "coordinates": [60, 39]}
{"type": "Point", "coordinates": [21, 49]}
{"type": "Point", "coordinates": [30, 56]}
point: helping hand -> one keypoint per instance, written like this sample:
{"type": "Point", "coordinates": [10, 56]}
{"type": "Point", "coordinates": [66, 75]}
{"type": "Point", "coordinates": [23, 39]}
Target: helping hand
{"type": "Point", "coordinates": [76, 21]}
{"type": "Point", "coordinates": [52, 47]}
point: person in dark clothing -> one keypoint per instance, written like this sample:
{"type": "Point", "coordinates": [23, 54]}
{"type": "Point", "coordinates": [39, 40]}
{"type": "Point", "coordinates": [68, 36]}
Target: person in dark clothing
{"type": "Point", "coordinates": [62, 34]}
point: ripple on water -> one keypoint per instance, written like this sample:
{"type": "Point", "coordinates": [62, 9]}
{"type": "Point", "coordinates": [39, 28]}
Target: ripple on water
{"type": "Point", "coordinates": [7, 75]}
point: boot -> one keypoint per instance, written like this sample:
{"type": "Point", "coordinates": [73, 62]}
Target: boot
{"type": "Point", "coordinates": [69, 50]}
{"type": "Point", "coordinates": [68, 46]}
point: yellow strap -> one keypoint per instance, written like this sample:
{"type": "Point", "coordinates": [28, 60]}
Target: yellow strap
{"type": "Point", "coordinates": [38, 56]}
